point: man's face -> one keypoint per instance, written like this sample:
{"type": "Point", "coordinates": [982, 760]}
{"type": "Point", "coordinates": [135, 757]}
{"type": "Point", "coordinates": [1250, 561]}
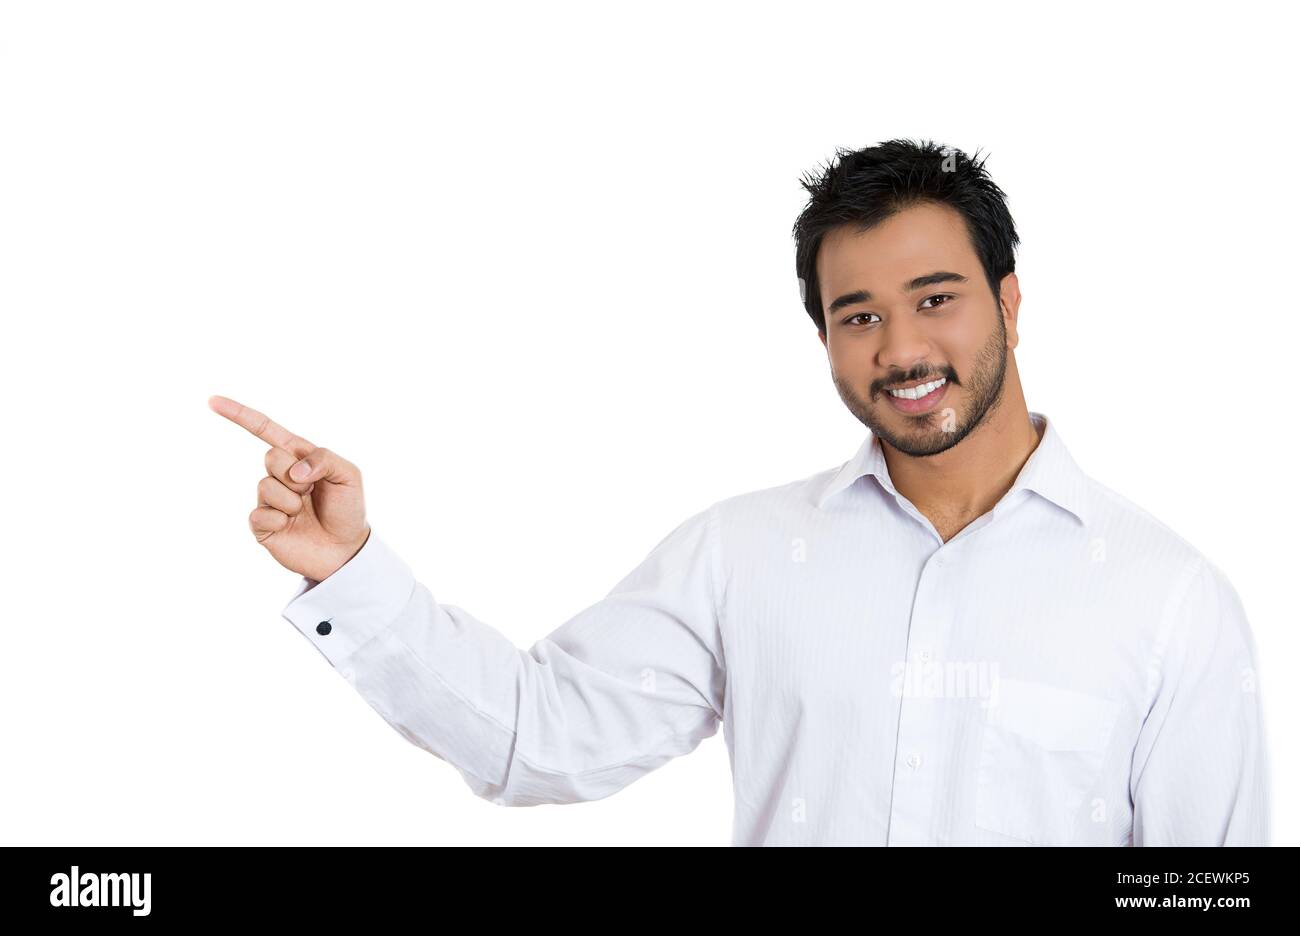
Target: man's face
{"type": "Point", "coordinates": [898, 332]}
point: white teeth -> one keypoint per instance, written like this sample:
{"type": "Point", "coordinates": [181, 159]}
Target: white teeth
{"type": "Point", "coordinates": [915, 393]}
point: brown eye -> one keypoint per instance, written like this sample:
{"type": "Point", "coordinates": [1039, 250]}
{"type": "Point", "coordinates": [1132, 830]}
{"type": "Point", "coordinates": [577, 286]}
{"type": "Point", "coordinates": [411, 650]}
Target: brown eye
{"type": "Point", "coordinates": [946, 297]}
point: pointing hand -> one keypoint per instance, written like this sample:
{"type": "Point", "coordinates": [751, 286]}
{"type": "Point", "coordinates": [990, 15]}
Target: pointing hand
{"type": "Point", "coordinates": [310, 512]}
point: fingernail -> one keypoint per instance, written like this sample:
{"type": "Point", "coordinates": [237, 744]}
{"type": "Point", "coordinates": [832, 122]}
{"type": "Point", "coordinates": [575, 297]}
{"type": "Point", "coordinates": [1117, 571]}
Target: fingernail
{"type": "Point", "coordinates": [300, 471]}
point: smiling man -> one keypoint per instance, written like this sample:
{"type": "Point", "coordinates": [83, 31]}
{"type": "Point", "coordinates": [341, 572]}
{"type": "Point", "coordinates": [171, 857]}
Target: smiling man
{"type": "Point", "coordinates": [954, 637]}
{"type": "Point", "coordinates": [933, 366]}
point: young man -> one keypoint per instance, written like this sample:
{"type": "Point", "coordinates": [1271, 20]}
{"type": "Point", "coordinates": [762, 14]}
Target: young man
{"type": "Point", "coordinates": [956, 637]}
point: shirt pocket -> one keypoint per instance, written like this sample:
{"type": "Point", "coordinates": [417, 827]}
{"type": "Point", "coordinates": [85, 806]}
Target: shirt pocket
{"type": "Point", "coordinates": [1042, 750]}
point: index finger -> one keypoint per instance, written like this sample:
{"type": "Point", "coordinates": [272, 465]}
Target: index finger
{"type": "Point", "coordinates": [261, 425]}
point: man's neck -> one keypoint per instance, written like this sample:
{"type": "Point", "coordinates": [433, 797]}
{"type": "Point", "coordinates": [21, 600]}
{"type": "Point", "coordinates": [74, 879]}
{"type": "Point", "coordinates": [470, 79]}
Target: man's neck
{"type": "Point", "coordinates": [954, 487]}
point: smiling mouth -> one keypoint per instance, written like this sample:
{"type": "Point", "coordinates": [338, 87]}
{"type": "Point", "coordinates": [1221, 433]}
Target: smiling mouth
{"type": "Point", "coordinates": [919, 390]}
{"type": "Point", "coordinates": [920, 398]}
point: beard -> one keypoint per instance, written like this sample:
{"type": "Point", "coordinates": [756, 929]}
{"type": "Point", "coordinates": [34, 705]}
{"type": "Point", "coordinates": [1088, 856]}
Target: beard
{"type": "Point", "coordinates": [940, 429]}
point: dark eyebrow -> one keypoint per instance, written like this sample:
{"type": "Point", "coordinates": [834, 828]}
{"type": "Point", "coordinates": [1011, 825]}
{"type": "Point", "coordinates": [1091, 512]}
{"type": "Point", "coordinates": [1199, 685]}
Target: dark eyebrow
{"type": "Point", "coordinates": [912, 285]}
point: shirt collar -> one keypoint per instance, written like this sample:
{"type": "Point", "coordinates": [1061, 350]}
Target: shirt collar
{"type": "Point", "coordinates": [1050, 471]}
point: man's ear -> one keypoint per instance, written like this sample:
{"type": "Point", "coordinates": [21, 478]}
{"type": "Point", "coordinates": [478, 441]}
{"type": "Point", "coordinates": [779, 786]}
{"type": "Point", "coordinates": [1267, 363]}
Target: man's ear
{"type": "Point", "coordinates": [1009, 308]}
{"type": "Point", "coordinates": [822, 335]}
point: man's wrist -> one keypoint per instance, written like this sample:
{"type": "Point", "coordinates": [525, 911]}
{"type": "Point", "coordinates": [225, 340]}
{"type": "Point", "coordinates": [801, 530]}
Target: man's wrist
{"type": "Point", "coordinates": [358, 601]}
{"type": "Point", "coordinates": [348, 553]}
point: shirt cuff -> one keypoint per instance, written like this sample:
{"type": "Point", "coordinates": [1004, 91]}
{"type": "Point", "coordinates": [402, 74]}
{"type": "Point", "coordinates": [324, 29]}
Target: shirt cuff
{"type": "Point", "coordinates": [362, 598]}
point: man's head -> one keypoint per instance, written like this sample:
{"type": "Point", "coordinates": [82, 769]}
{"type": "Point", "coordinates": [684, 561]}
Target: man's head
{"type": "Point", "coordinates": [906, 256]}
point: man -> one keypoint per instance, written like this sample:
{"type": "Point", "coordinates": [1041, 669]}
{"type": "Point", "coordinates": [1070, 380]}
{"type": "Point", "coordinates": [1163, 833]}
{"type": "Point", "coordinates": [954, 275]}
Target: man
{"type": "Point", "coordinates": [956, 637]}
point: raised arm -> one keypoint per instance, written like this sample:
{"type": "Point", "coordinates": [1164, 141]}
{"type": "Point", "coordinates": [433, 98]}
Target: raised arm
{"type": "Point", "coordinates": [622, 687]}
{"type": "Point", "coordinates": [611, 694]}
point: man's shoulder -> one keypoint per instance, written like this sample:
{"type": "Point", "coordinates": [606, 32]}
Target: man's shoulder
{"type": "Point", "coordinates": [1117, 521]}
{"type": "Point", "coordinates": [800, 494]}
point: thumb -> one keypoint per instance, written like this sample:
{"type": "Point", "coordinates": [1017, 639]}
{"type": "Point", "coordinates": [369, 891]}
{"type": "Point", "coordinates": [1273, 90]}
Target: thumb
{"type": "Point", "coordinates": [322, 465]}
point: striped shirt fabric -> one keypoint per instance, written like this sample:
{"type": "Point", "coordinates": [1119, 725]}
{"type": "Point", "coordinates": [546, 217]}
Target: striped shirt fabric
{"type": "Point", "coordinates": [1064, 670]}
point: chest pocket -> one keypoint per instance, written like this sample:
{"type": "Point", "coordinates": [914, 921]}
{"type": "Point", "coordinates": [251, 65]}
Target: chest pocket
{"type": "Point", "coordinates": [1042, 750]}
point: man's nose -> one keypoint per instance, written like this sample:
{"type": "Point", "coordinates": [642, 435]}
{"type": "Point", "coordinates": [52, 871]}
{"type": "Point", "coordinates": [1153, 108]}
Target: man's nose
{"type": "Point", "coordinates": [904, 347]}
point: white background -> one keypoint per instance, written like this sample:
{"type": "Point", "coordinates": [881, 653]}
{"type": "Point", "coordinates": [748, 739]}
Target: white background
{"type": "Point", "coordinates": [530, 267]}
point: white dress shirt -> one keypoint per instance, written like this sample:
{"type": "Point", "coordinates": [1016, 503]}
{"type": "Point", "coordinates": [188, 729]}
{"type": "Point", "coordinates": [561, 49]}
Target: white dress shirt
{"type": "Point", "coordinates": [1064, 670]}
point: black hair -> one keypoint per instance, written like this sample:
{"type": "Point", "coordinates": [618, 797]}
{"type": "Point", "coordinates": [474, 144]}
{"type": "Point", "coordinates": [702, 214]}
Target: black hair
{"type": "Point", "coordinates": [868, 186]}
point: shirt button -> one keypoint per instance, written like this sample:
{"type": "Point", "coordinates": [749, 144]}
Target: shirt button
{"type": "Point", "coordinates": [941, 560]}
{"type": "Point", "coordinates": [913, 760]}
{"type": "Point", "coordinates": [923, 655]}
{"type": "Point", "coordinates": [323, 628]}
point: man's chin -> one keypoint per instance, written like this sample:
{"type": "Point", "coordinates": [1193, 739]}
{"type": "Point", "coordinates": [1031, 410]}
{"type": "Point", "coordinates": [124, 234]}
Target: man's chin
{"type": "Point", "coordinates": [918, 440]}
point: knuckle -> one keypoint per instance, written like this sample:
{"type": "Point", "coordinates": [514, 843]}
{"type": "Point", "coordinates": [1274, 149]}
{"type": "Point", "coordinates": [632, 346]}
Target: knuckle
{"type": "Point", "coordinates": [266, 519]}
{"type": "Point", "coordinates": [277, 467]}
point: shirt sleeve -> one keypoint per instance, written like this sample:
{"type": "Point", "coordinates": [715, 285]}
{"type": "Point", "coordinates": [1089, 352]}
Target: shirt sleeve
{"type": "Point", "coordinates": [621, 688]}
{"type": "Point", "coordinates": [1200, 770]}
